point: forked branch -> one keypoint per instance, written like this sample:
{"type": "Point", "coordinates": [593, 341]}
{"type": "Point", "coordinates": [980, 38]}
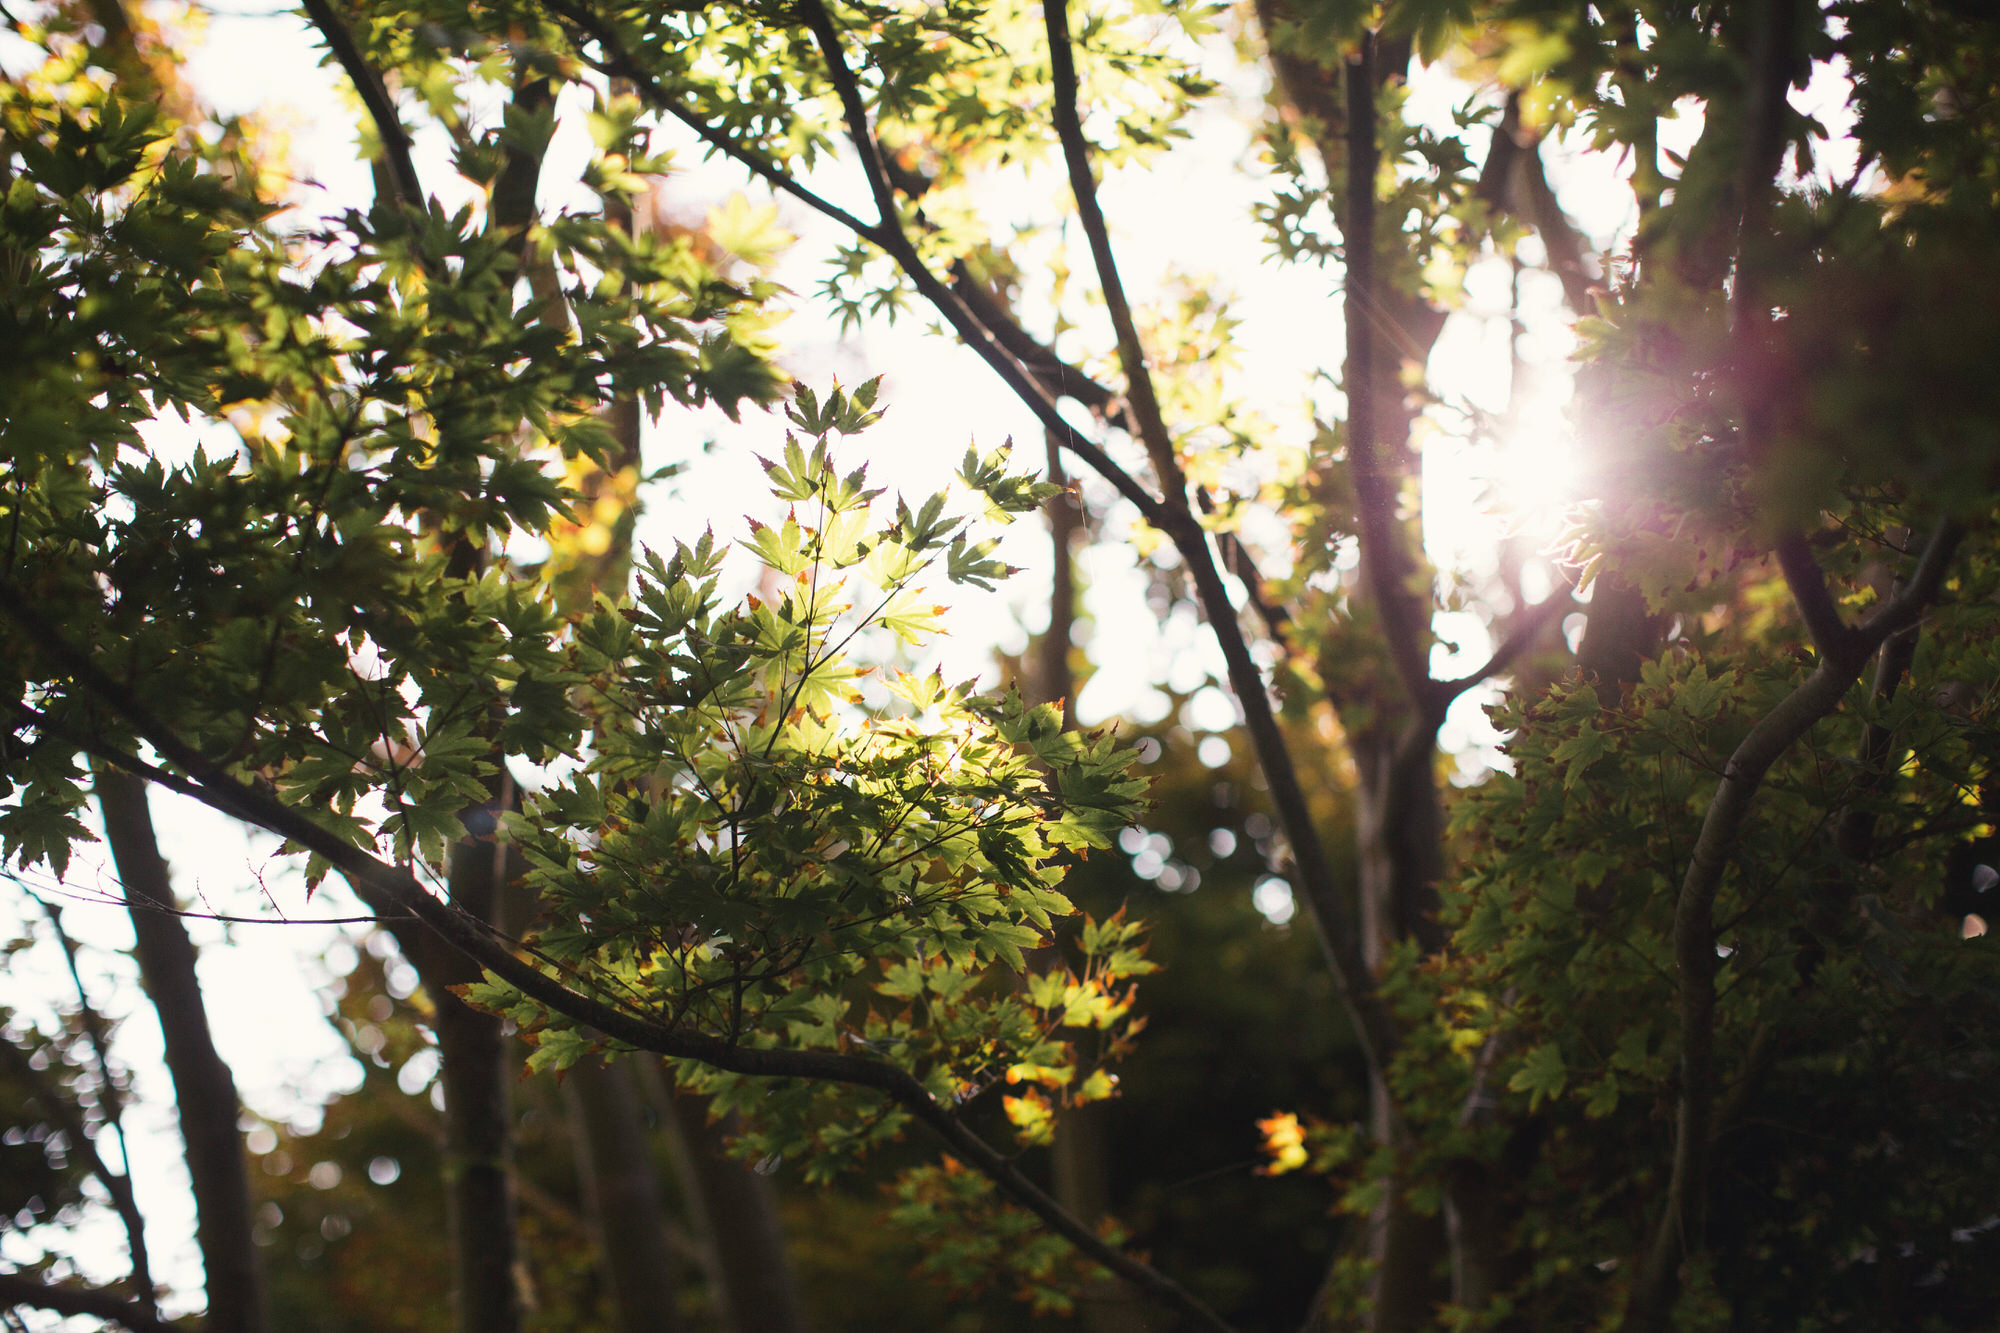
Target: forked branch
{"type": "Point", "coordinates": [1694, 919]}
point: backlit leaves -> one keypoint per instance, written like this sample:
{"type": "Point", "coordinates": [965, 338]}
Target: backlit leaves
{"type": "Point", "coordinates": [761, 834]}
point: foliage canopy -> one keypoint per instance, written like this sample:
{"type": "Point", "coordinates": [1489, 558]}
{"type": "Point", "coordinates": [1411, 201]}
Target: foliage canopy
{"type": "Point", "coordinates": [1681, 1017]}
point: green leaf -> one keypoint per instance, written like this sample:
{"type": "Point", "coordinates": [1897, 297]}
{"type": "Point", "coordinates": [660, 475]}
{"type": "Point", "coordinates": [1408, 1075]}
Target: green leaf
{"type": "Point", "coordinates": [1542, 1074]}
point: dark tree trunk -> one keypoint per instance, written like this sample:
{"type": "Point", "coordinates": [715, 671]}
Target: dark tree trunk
{"type": "Point", "coordinates": [622, 1185]}
{"type": "Point", "coordinates": [204, 1090]}
{"type": "Point", "coordinates": [737, 1209]}
{"type": "Point", "coordinates": [1401, 849]}
{"type": "Point", "coordinates": [477, 1071]}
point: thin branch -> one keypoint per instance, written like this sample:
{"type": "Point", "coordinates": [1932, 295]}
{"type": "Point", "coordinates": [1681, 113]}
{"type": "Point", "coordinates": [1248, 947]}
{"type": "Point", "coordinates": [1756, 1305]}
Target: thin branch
{"type": "Point", "coordinates": [1529, 628]}
{"type": "Point", "coordinates": [1326, 901]}
{"type": "Point", "coordinates": [614, 60]}
{"type": "Point", "coordinates": [1061, 379]}
{"type": "Point", "coordinates": [1904, 610]}
{"type": "Point", "coordinates": [117, 1185]}
{"type": "Point", "coordinates": [113, 1104]}
{"type": "Point", "coordinates": [79, 1303]}
{"type": "Point", "coordinates": [478, 943]}
{"type": "Point", "coordinates": [855, 113]}
{"type": "Point", "coordinates": [1083, 184]}
{"type": "Point", "coordinates": [891, 238]}
{"type": "Point", "coordinates": [187, 914]}
{"type": "Point", "coordinates": [374, 96]}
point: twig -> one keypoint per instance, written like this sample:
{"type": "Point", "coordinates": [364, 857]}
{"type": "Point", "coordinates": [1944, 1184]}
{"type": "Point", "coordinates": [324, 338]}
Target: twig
{"type": "Point", "coordinates": [1518, 640]}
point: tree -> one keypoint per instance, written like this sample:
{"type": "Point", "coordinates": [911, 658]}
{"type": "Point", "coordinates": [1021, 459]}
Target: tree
{"type": "Point", "coordinates": [1665, 1008]}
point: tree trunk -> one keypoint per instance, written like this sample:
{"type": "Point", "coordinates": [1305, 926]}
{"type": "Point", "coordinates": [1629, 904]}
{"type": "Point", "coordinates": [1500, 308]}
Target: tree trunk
{"type": "Point", "coordinates": [477, 1073]}
{"type": "Point", "coordinates": [622, 1186]}
{"type": "Point", "coordinates": [204, 1089]}
{"type": "Point", "coordinates": [737, 1209]}
{"type": "Point", "coordinates": [1401, 849]}
{"type": "Point", "coordinates": [1079, 1166]}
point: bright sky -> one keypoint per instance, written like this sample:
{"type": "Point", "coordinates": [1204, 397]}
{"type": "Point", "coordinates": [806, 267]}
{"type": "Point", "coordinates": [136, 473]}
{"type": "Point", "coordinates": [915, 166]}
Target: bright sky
{"type": "Point", "coordinates": [266, 985]}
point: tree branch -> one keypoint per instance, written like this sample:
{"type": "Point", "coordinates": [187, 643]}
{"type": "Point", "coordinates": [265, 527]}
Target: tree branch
{"type": "Point", "coordinates": [893, 240]}
{"type": "Point", "coordinates": [117, 1185]}
{"type": "Point", "coordinates": [377, 880]}
{"type": "Point", "coordinates": [113, 1104]}
{"type": "Point", "coordinates": [614, 60]}
{"type": "Point", "coordinates": [998, 337]}
{"type": "Point", "coordinates": [79, 1303]}
{"type": "Point", "coordinates": [1518, 640]}
{"type": "Point", "coordinates": [1139, 391]}
{"type": "Point", "coordinates": [1809, 592]}
{"type": "Point", "coordinates": [374, 96]}
{"type": "Point", "coordinates": [889, 238]}
{"type": "Point", "coordinates": [1326, 903]}
{"type": "Point", "coordinates": [855, 113]}
{"type": "Point", "coordinates": [485, 947]}
{"type": "Point", "coordinates": [1061, 379]}
{"type": "Point", "coordinates": [1818, 695]}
